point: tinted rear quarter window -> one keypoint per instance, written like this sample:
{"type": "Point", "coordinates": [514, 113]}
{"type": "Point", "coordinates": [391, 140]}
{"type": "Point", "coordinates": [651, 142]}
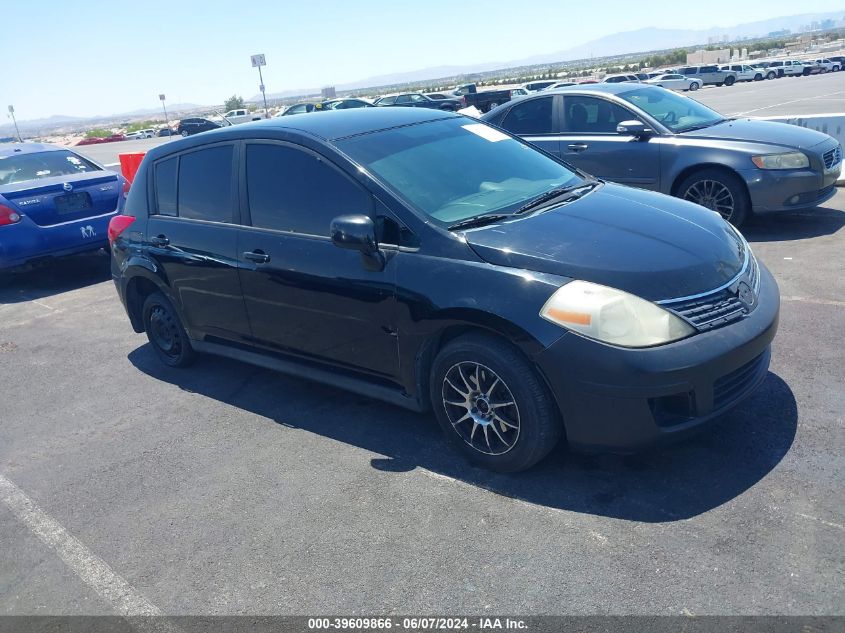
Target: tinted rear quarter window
{"type": "Point", "coordinates": [530, 117]}
{"type": "Point", "coordinates": [205, 184]}
{"type": "Point", "coordinates": [290, 189]}
{"type": "Point", "coordinates": [165, 184]}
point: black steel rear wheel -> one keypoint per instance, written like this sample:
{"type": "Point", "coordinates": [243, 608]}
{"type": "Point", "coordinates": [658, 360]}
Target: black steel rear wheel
{"type": "Point", "coordinates": [165, 332]}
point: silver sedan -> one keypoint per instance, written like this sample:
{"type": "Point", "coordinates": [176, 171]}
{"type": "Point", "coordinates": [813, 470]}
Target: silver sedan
{"type": "Point", "coordinates": [675, 82]}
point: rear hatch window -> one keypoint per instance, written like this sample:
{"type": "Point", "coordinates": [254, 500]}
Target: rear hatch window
{"type": "Point", "coordinates": [57, 186]}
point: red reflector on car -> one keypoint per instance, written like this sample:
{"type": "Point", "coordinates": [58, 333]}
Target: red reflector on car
{"type": "Point", "coordinates": [8, 216]}
{"type": "Point", "coordinates": [117, 225]}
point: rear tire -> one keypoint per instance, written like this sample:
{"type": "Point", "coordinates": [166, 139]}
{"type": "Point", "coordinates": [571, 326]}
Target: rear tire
{"type": "Point", "coordinates": [165, 332]}
{"type": "Point", "coordinates": [771, 75]}
{"type": "Point", "coordinates": [729, 81]}
{"type": "Point", "coordinates": [718, 190]}
{"type": "Point", "coordinates": [492, 404]}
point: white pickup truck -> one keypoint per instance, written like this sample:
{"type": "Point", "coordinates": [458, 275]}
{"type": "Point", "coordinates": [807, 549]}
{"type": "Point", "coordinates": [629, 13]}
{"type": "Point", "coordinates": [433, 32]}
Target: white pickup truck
{"type": "Point", "coordinates": [744, 72]}
{"type": "Point", "coordinates": [241, 116]}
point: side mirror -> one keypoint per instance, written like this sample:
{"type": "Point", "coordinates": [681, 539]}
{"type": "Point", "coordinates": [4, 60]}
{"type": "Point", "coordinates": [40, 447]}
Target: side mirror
{"type": "Point", "coordinates": [634, 128]}
{"type": "Point", "coordinates": [358, 233]}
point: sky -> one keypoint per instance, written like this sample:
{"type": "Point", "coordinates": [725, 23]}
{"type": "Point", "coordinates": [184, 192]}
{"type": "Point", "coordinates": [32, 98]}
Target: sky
{"type": "Point", "coordinates": [93, 57]}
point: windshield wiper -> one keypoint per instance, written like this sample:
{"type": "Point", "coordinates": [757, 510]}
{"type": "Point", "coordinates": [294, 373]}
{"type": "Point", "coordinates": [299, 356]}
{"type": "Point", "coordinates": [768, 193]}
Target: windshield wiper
{"type": "Point", "coordinates": [574, 192]}
{"type": "Point", "coordinates": [701, 126]}
{"type": "Point", "coordinates": [479, 220]}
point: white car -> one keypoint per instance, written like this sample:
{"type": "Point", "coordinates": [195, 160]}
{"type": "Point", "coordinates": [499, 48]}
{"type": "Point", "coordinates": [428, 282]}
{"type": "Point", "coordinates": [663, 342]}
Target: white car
{"type": "Point", "coordinates": [537, 86]}
{"type": "Point", "coordinates": [558, 84]}
{"type": "Point", "coordinates": [744, 72]}
{"type": "Point", "coordinates": [148, 133]}
{"type": "Point", "coordinates": [674, 81]}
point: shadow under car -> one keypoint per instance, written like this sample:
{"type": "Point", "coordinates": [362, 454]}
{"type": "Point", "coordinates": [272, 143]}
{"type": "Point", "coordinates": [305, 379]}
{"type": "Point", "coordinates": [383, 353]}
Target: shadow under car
{"type": "Point", "coordinates": [667, 483]}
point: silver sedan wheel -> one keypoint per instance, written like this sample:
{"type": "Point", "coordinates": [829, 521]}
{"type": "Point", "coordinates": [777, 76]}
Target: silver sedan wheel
{"type": "Point", "coordinates": [712, 194]}
{"type": "Point", "coordinates": [481, 408]}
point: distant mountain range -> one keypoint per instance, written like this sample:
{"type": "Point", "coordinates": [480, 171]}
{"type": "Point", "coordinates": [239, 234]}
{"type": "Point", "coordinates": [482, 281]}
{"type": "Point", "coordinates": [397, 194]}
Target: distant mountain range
{"type": "Point", "coordinates": [627, 42]}
{"type": "Point", "coordinates": [57, 121]}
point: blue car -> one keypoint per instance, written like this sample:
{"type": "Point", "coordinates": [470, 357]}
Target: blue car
{"type": "Point", "coordinates": [53, 202]}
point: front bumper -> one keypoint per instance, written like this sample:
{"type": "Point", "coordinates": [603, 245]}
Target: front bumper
{"type": "Point", "coordinates": [621, 400]}
{"type": "Point", "coordinates": [776, 190]}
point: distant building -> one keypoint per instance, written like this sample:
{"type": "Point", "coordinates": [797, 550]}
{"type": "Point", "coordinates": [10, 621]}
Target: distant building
{"type": "Point", "coordinates": [328, 92]}
{"type": "Point", "coordinates": [781, 33]}
{"type": "Point", "coordinates": [709, 57]}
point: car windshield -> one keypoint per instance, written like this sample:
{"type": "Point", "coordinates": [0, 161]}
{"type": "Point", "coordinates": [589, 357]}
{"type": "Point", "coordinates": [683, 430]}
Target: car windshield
{"type": "Point", "coordinates": [38, 165]}
{"type": "Point", "coordinates": [455, 169]}
{"type": "Point", "coordinates": [676, 112]}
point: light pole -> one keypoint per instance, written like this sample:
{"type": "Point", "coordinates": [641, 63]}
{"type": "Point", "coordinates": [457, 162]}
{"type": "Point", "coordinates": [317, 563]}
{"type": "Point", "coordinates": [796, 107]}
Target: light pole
{"type": "Point", "coordinates": [166, 120]}
{"type": "Point", "coordinates": [17, 131]}
{"type": "Point", "coordinates": [257, 62]}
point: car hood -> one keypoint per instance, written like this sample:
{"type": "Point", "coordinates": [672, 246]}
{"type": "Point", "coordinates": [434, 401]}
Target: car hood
{"type": "Point", "coordinates": [760, 132]}
{"type": "Point", "coordinates": [648, 244]}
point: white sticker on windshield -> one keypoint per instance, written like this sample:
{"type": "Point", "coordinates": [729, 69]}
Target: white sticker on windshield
{"type": "Point", "coordinates": [485, 131]}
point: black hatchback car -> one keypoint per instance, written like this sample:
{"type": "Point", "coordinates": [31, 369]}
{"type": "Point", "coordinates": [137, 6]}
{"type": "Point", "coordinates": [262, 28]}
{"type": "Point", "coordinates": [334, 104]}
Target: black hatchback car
{"type": "Point", "coordinates": [195, 125]}
{"type": "Point", "coordinates": [435, 262]}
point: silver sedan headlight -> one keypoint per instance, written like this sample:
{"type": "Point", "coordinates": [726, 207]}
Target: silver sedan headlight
{"type": "Point", "coordinates": [787, 160]}
{"type": "Point", "coordinates": [613, 316]}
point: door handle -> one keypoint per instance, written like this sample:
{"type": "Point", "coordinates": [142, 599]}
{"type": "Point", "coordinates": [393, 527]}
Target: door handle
{"type": "Point", "coordinates": [159, 240]}
{"type": "Point", "coordinates": [258, 257]}
{"type": "Point", "coordinates": [578, 147]}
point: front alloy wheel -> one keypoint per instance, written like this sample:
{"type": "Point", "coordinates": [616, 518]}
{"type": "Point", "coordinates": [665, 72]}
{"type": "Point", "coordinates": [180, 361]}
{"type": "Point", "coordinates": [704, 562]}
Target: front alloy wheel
{"type": "Point", "coordinates": [481, 408]}
{"type": "Point", "coordinates": [718, 190]}
{"type": "Point", "coordinates": [492, 404]}
{"type": "Point", "coordinates": [711, 194]}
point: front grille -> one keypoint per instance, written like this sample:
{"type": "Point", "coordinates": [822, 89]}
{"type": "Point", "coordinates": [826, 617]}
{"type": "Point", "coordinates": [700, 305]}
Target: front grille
{"type": "Point", "coordinates": [711, 311]}
{"type": "Point", "coordinates": [832, 157]}
{"type": "Point", "coordinates": [736, 384]}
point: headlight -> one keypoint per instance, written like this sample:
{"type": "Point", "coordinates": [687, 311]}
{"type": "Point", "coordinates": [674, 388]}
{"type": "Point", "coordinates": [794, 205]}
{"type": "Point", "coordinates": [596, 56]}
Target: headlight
{"type": "Point", "coordinates": [789, 160]}
{"type": "Point", "coordinates": [613, 316]}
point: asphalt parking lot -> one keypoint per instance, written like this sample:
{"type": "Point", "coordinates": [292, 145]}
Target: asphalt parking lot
{"type": "Point", "coordinates": [227, 489]}
{"type": "Point", "coordinates": [816, 94]}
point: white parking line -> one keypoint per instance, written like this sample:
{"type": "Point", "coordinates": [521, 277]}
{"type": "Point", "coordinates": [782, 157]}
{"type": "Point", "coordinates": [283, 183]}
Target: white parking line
{"type": "Point", "coordinates": [91, 569]}
{"type": "Point", "coordinates": [822, 521]}
{"type": "Point", "coordinates": [822, 302]}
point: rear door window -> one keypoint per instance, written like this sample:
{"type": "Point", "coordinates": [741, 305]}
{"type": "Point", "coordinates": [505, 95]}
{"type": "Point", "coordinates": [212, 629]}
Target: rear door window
{"type": "Point", "coordinates": [291, 189]}
{"type": "Point", "coordinates": [197, 185]}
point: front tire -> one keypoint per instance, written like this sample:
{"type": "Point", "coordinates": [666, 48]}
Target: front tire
{"type": "Point", "coordinates": [184, 133]}
{"type": "Point", "coordinates": [718, 190]}
{"type": "Point", "coordinates": [694, 86]}
{"type": "Point", "coordinates": [492, 404]}
{"type": "Point", "coordinates": [729, 81]}
{"type": "Point", "coordinates": [771, 75]}
{"type": "Point", "coordinates": [165, 332]}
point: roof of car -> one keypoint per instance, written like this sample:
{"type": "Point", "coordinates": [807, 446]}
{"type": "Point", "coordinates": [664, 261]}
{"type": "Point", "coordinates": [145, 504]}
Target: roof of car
{"type": "Point", "coordinates": [328, 125]}
{"type": "Point", "coordinates": [612, 88]}
{"type": "Point", "coordinates": [27, 148]}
